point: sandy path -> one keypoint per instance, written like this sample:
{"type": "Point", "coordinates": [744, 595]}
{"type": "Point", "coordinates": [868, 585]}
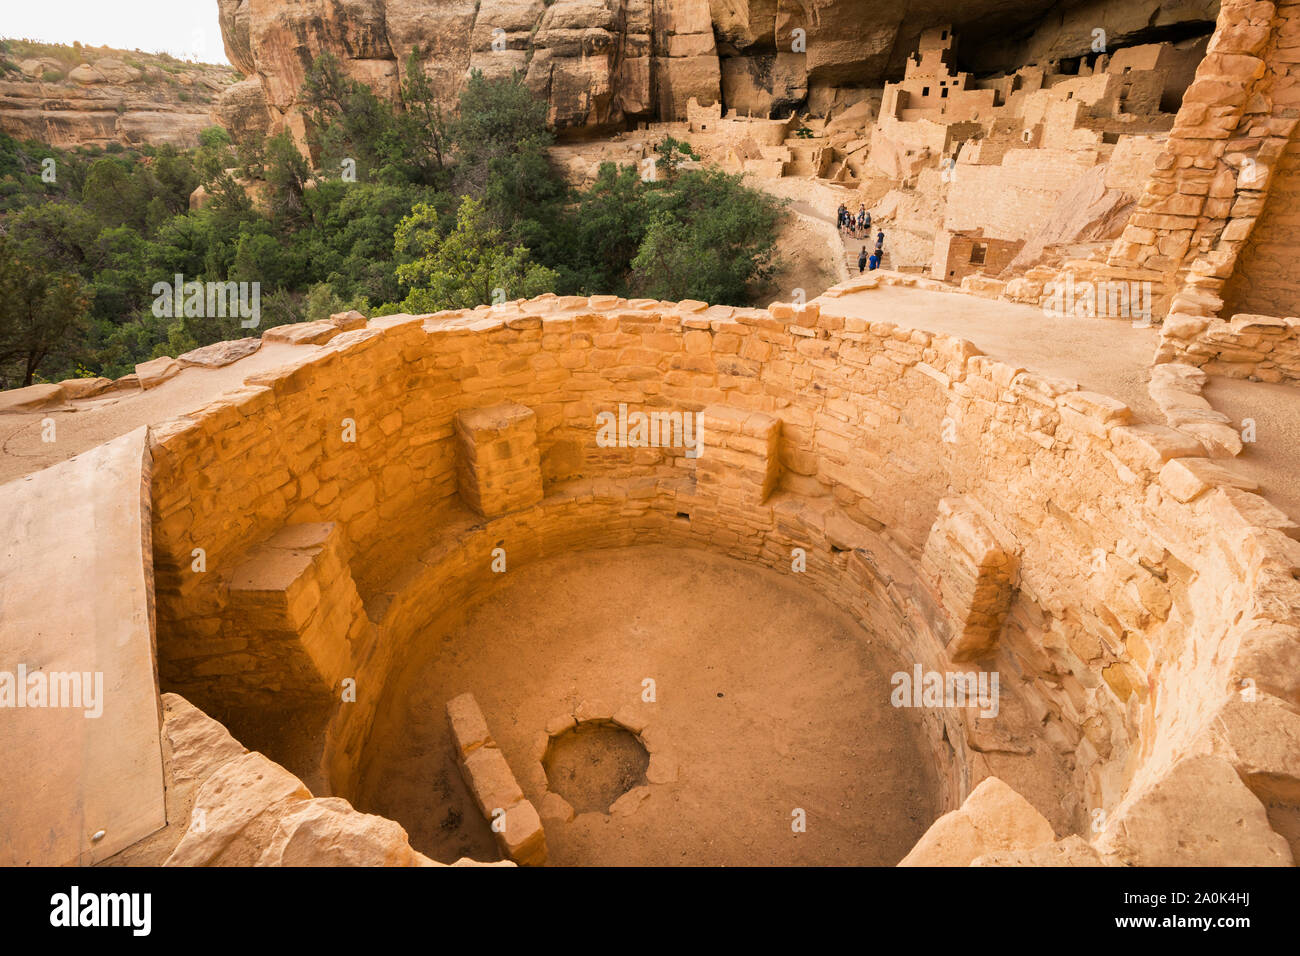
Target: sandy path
{"type": "Point", "coordinates": [85, 424]}
{"type": "Point", "coordinates": [1273, 459]}
{"type": "Point", "coordinates": [1102, 355]}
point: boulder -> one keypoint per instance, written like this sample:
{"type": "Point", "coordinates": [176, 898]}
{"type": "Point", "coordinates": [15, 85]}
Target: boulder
{"type": "Point", "coordinates": [75, 388]}
{"type": "Point", "coordinates": [227, 804]}
{"type": "Point", "coordinates": [328, 832]}
{"type": "Point", "coordinates": [1074, 850]}
{"type": "Point", "coordinates": [302, 333]}
{"type": "Point", "coordinates": [1198, 814]}
{"type": "Point", "coordinates": [993, 819]}
{"type": "Point", "coordinates": [32, 398]}
{"type": "Point", "coordinates": [153, 373]}
{"type": "Point", "coordinates": [221, 354]}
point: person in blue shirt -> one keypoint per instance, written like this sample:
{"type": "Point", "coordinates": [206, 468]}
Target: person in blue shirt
{"type": "Point", "coordinates": [874, 261]}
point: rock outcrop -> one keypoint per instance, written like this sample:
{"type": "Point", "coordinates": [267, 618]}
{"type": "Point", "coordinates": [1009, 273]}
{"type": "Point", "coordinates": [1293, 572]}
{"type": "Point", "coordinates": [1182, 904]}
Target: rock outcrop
{"type": "Point", "coordinates": [227, 806]}
{"type": "Point", "coordinates": [605, 63]}
{"type": "Point", "coordinates": [109, 97]}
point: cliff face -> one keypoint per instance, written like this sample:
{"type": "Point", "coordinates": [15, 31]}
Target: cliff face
{"type": "Point", "coordinates": [96, 97]}
{"type": "Point", "coordinates": [604, 63]}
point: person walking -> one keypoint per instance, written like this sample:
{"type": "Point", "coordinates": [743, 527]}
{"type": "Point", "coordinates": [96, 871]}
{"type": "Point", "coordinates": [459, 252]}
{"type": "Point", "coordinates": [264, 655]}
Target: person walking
{"type": "Point", "coordinates": [874, 261]}
{"type": "Point", "coordinates": [862, 260]}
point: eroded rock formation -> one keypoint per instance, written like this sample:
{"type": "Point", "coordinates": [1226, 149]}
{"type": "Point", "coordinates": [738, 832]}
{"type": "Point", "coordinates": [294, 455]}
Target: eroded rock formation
{"type": "Point", "coordinates": [108, 99]}
{"type": "Point", "coordinates": [603, 63]}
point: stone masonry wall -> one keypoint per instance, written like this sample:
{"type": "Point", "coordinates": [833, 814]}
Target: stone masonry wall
{"type": "Point", "coordinates": [1145, 590]}
{"type": "Point", "coordinates": [1260, 347]}
{"type": "Point", "coordinates": [1223, 158]}
{"type": "Point", "coordinates": [1266, 280]}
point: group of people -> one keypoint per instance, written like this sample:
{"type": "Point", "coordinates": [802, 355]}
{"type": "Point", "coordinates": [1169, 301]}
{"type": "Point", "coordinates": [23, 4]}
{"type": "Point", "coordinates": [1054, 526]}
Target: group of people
{"type": "Point", "coordinates": [872, 262]}
{"type": "Point", "coordinates": [857, 225]}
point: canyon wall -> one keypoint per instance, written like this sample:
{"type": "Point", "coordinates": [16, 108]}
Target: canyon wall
{"type": "Point", "coordinates": [102, 96]}
{"type": "Point", "coordinates": [605, 63]}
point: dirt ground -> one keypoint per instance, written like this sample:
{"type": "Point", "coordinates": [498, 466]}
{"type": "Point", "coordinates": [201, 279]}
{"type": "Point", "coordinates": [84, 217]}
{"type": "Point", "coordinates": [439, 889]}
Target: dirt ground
{"type": "Point", "coordinates": [1271, 458]}
{"type": "Point", "coordinates": [1102, 355]}
{"type": "Point", "coordinates": [806, 261]}
{"type": "Point", "coordinates": [770, 700]}
{"type": "Point", "coordinates": [594, 764]}
{"type": "Point", "coordinates": [82, 425]}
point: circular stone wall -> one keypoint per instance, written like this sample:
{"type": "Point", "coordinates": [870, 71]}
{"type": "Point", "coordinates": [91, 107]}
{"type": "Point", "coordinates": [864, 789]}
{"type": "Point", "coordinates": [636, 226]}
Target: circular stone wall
{"type": "Point", "coordinates": [970, 516]}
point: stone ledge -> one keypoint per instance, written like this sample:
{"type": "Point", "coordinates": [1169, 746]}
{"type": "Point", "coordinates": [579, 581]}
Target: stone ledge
{"type": "Point", "coordinates": [514, 821]}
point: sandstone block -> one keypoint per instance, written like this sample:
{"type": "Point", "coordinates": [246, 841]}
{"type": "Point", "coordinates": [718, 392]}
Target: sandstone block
{"type": "Point", "coordinates": [153, 373]}
{"type": "Point", "coordinates": [468, 728]}
{"type": "Point", "coordinates": [302, 333]}
{"type": "Point", "coordinates": [739, 452]}
{"type": "Point", "coordinates": [221, 354]}
{"type": "Point", "coordinates": [523, 839]}
{"type": "Point", "coordinates": [992, 819]}
{"type": "Point", "coordinates": [491, 780]}
{"type": "Point", "coordinates": [498, 465]}
{"type": "Point", "coordinates": [555, 807]}
{"type": "Point", "coordinates": [1198, 814]}
{"type": "Point", "coordinates": [1148, 447]}
{"type": "Point", "coordinates": [1187, 478]}
{"type": "Point", "coordinates": [1269, 657]}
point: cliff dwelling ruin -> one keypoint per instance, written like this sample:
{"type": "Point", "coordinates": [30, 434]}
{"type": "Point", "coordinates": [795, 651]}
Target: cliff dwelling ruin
{"type": "Point", "coordinates": [987, 556]}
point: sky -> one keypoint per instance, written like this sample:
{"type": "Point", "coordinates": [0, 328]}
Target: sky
{"type": "Point", "coordinates": [184, 28]}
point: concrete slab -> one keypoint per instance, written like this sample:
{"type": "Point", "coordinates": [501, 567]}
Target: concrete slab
{"type": "Point", "coordinates": [76, 585]}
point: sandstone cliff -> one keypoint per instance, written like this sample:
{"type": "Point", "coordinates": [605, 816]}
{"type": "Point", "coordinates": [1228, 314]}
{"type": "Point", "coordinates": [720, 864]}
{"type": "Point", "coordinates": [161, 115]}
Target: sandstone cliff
{"type": "Point", "coordinates": [605, 63]}
{"type": "Point", "coordinates": [86, 96]}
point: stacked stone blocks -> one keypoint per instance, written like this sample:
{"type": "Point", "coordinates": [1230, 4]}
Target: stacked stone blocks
{"type": "Point", "coordinates": [498, 467]}
{"type": "Point", "coordinates": [514, 821]}
{"type": "Point", "coordinates": [740, 452]}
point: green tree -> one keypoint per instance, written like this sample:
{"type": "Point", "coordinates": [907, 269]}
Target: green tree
{"type": "Point", "coordinates": [423, 128]}
{"type": "Point", "coordinates": [472, 265]}
{"type": "Point", "coordinates": [595, 242]}
{"type": "Point", "coordinates": [215, 161]}
{"type": "Point", "coordinates": [40, 308]}
{"type": "Point", "coordinates": [349, 123]}
{"type": "Point", "coordinates": [501, 139]}
{"type": "Point", "coordinates": [287, 176]}
{"type": "Point", "coordinates": [112, 195]}
{"type": "Point", "coordinates": [709, 238]}
{"type": "Point", "coordinates": [672, 153]}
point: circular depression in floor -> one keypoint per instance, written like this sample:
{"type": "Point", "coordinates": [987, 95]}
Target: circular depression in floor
{"type": "Point", "coordinates": [594, 763]}
{"type": "Point", "coordinates": [764, 701]}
